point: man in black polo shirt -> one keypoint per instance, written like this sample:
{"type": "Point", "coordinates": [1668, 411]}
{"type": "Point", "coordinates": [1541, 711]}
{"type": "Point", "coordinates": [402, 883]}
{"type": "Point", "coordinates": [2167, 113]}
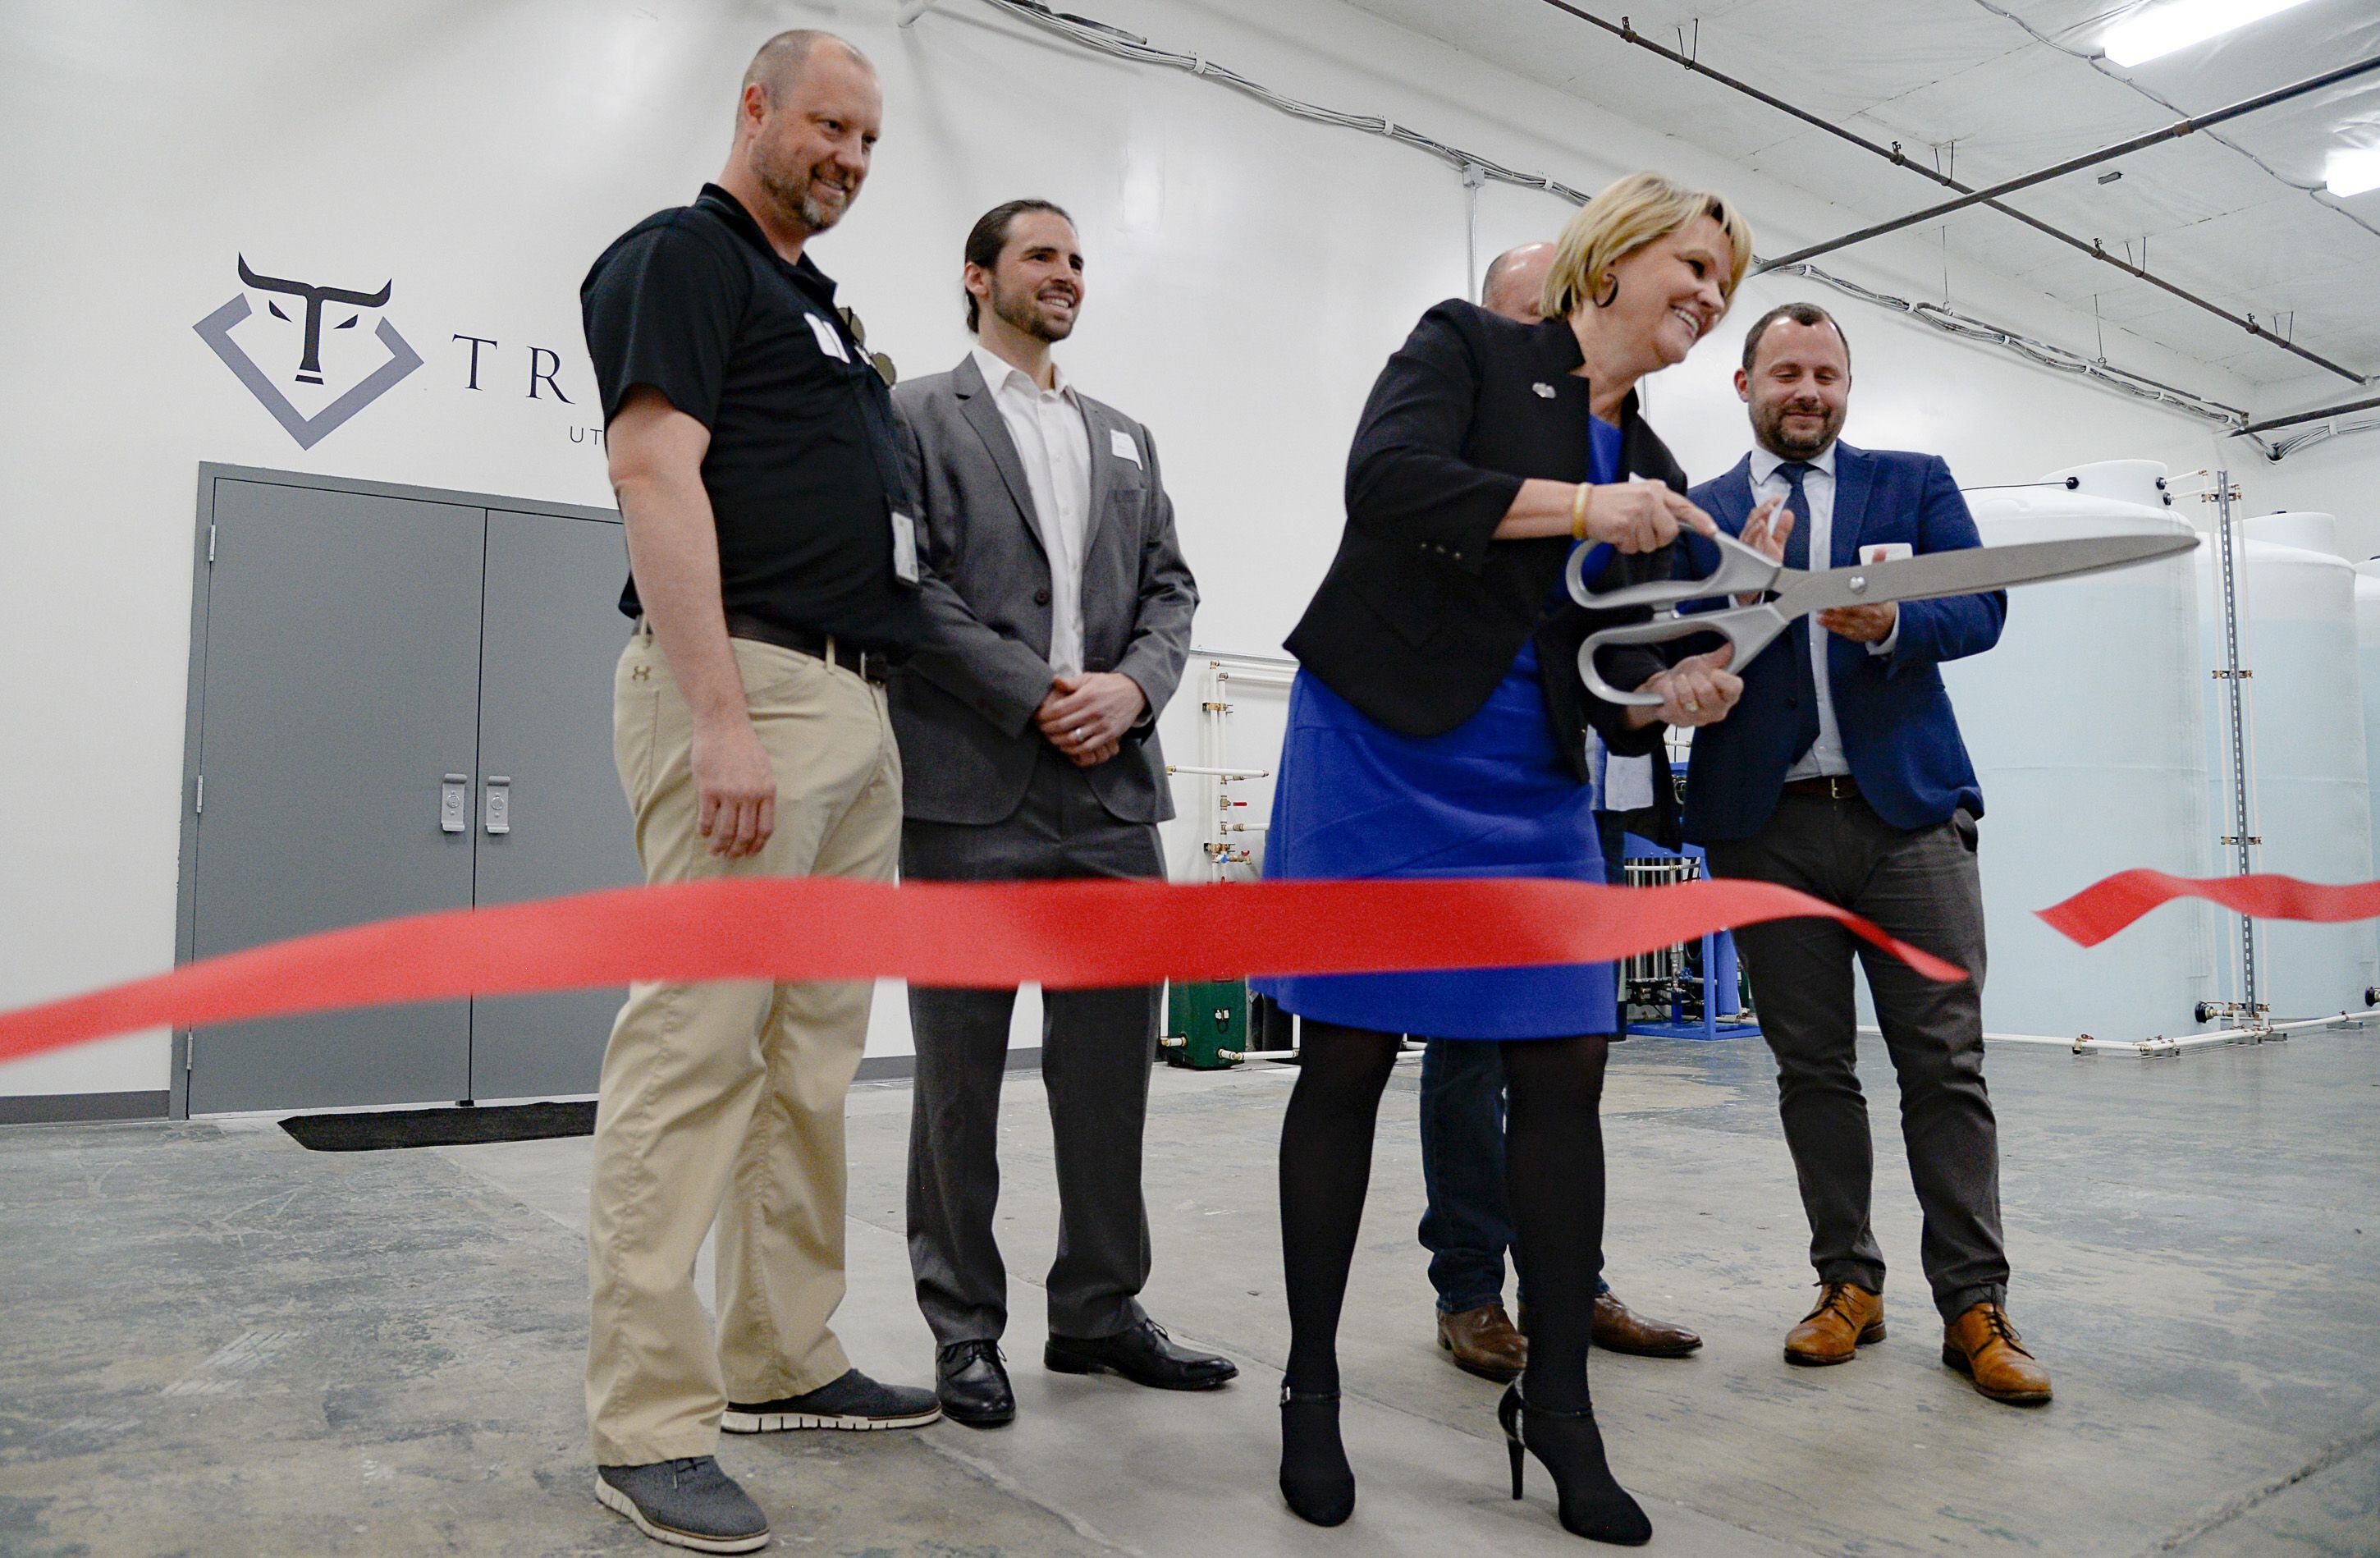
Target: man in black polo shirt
{"type": "Point", "coordinates": [773, 573]}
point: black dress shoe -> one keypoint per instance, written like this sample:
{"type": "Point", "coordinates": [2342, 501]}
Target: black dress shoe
{"type": "Point", "coordinates": [1144, 1355]}
{"type": "Point", "coordinates": [973, 1385]}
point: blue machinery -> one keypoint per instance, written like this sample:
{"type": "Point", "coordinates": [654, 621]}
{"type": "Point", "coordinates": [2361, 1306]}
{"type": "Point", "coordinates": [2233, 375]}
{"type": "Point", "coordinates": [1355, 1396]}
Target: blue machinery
{"type": "Point", "coordinates": [1700, 986]}
{"type": "Point", "coordinates": [1215, 1026]}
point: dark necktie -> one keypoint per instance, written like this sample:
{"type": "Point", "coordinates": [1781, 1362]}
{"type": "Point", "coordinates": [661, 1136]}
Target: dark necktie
{"type": "Point", "coordinates": [1797, 555]}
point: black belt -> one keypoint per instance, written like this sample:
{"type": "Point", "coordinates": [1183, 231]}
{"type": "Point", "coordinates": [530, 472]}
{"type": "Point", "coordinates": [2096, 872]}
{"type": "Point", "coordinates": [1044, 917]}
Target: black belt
{"type": "Point", "coordinates": [1830, 786]}
{"type": "Point", "coordinates": [817, 646]}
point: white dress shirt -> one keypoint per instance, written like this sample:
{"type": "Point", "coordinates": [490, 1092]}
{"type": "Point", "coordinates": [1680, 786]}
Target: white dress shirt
{"type": "Point", "coordinates": [1054, 443]}
{"type": "Point", "coordinates": [1826, 754]}
{"type": "Point", "coordinates": [1627, 783]}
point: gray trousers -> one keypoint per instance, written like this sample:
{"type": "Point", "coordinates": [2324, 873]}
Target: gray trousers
{"type": "Point", "coordinates": [1097, 1049]}
{"type": "Point", "coordinates": [1923, 886]}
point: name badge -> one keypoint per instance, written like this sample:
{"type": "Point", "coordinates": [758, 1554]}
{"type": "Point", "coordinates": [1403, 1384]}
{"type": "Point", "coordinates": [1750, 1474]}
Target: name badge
{"type": "Point", "coordinates": [1886, 552]}
{"type": "Point", "coordinates": [829, 340]}
{"type": "Point", "coordinates": [904, 548]}
{"type": "Point", "coordinates": [1120, 444]}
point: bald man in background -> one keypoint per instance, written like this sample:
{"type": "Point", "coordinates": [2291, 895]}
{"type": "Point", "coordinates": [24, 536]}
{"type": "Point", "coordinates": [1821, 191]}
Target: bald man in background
{"type": "Point", "coordinates": [1467, 1226]}
{"type": "Point", "coordinates": [1515, 283]}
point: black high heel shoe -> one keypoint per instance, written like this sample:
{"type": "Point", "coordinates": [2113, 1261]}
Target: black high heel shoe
{"type": "Point", "coordinates": [1316, 1480]}
{"type": "Point", "coordinates": [1591, 1504]}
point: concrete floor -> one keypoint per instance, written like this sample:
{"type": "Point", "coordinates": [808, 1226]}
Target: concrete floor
{"type": "Point", "coordinates": [214, 1342]}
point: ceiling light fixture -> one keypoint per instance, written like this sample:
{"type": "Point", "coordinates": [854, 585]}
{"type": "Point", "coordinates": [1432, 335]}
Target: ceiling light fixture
{"type": "Point", "coordinates": [2155, 30]}
{"type": "Point", "coordinates": [2352, 170]}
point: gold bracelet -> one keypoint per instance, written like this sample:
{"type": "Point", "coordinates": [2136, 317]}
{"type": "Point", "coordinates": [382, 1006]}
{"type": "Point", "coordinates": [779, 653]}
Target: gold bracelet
{"type": "Point", "coordinates": [1578, 510]}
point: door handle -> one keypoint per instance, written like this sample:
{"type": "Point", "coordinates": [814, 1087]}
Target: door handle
{"type": "Point", "coordinates": [455, 804]}
{"type": "Point", "coordinates": [500, 804]}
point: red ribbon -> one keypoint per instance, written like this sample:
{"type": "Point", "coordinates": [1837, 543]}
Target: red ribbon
{"type": "Point", "coordinates": [1063, 935]}
{"type": "Point", "coordinates": [2105, 908]}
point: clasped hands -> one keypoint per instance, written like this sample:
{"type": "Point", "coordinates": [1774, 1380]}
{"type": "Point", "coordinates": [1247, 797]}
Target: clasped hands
{"type": "Point", "coordinates": [1085, 716]}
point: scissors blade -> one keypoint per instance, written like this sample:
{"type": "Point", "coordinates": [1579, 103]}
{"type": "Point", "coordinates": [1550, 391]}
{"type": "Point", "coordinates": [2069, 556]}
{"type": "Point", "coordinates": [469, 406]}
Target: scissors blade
{"type": "Point", "coordinates": [1970, 570]}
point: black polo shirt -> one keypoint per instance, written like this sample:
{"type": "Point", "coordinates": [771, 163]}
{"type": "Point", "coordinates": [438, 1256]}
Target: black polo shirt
{"type": "Point", "coordinates": [803, 470]}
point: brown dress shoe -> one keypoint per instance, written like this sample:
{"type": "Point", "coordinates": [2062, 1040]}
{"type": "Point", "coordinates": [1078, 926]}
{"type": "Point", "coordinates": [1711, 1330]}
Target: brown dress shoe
{"type": "Point", "coordinates": [1847, 1319]}
{"type": "Point", "coordinates": [1620, 1330]}
{"type": "Point", "coordinates": [1983, 1345]}
{"type": "Point", "coordinates": [1484, 1343]}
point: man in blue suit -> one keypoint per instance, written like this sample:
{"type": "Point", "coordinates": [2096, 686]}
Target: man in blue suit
{"type": "Point", "coordinates": [1841, 774]}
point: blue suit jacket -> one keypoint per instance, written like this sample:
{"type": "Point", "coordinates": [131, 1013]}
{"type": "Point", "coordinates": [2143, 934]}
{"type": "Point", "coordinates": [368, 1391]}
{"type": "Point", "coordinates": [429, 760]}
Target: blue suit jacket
{"type": "Point", "coordinates": [1893, 712]}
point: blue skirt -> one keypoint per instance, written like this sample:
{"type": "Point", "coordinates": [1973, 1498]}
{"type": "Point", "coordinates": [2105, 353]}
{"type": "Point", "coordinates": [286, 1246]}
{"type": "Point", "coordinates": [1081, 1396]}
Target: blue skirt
{"type": "Point", "coordinates": [1491, 797]}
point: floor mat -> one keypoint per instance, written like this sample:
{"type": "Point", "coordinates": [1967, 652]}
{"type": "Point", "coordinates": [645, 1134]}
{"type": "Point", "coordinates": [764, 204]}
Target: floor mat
{"type": "Point", "coordinates": [439, 1128]}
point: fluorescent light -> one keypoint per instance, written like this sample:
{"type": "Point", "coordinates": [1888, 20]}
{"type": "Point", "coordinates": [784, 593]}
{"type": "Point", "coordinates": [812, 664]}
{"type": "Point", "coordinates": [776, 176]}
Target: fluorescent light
{"type": "Point", "coordinates": [2154, 30]}
{"type": "Point", "coordinates": [2353, 170]}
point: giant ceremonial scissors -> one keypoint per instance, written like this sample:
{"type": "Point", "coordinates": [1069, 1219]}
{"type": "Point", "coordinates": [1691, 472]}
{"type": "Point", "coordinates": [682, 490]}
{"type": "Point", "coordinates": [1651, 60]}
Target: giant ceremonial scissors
{"type": "Point", "coordinates": [1787, 594]}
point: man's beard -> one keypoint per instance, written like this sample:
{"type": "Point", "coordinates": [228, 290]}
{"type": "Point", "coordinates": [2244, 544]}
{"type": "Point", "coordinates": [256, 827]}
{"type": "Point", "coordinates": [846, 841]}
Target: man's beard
{"type": "Point", "coordinates": [795, 195]}
{"type": "Point", "coordinates": [1022, 312]}
{"type": "Point", "coordinates": [1776, 441]}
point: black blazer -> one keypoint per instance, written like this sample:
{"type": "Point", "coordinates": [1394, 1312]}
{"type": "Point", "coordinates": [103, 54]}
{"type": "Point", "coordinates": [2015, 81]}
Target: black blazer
{"type": "Point", "coordinates": [1422, 613]}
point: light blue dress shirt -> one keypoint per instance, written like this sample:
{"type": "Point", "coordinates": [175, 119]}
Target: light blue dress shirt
{"type": "Point", "coordinates": [1826, 754]}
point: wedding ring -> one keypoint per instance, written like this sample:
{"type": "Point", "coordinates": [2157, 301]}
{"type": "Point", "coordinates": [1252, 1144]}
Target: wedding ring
{"type": "Point", "coordinates": [1691, 707]}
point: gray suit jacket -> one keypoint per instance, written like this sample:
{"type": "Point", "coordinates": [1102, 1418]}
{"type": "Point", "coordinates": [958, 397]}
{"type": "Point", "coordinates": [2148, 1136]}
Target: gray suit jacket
{"type": "Point", "coordinates": [963, 705]}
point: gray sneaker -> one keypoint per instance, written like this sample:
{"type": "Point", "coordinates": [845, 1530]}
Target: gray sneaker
{"type": "Point", "coordinates": [853, 1401]}
{"type": "Point", "coordinates": [687, 1503]}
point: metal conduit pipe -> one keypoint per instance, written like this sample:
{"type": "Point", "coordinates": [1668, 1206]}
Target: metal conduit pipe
{"type": "Point", "coordinates": [2341, 410]}
{"type": "Point", "coordinates": [1410, 1052]}
{"type": "Point", "coordinates": [2161, 1046]}
{"type": "Point", "coordinates": [2089, 159]}
{"type": "Point", "coordinates": [2083, 1043]}
{"type": "Point", "coordinates": [1098, 36]}
{"type": "Point", "coordinates": [2062, 1040]}
{"type": "Point", "coordinates": [1893, 154]}
{"type": "Point", "coordinates": [1219, 669]}
{"type": "Point", "coordinates": [1474, 176]}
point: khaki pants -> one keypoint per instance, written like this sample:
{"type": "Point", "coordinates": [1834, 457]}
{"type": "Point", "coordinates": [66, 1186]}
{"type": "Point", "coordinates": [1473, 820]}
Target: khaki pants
{"type": "Point", "coordinates": [724, 1101]}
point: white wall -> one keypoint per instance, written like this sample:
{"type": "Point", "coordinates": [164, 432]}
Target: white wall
{"type": "Point", "coordinates": [1248, 274]}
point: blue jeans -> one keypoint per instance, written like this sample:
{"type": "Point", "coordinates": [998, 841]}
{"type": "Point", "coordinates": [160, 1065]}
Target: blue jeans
{"type": "Point", "coordinates": [1467, 1224]}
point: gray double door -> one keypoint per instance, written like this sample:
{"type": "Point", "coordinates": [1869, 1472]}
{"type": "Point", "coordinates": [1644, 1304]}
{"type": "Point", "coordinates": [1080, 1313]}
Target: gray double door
{"type": "Point", "coordinates": [401, 704]}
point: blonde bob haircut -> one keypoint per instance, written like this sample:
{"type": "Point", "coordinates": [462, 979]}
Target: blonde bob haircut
{"type": "Point", "coordinates": [1626, 216]}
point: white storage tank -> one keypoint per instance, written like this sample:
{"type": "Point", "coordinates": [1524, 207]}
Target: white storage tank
{"type": "Point", "coordinates": [2302, 528]}
{"type": "Point", "coordinates": [2311, 781]}
{"type": "Point", "coordinates": [2134, 482]}
{"type": "Point", "coordinates": [2087, 729]}
{"type": "Point", "coordinates": [2367, 637]}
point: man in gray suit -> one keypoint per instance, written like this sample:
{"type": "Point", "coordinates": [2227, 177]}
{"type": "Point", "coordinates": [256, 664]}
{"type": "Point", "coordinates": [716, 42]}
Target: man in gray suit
{"type": "Point", "coordinates": [1058, 615]}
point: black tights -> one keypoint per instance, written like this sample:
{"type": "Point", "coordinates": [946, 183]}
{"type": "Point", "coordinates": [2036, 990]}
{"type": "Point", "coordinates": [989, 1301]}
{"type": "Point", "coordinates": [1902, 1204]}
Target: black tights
{"type": "Point", "coordinates": [1553, 1171]}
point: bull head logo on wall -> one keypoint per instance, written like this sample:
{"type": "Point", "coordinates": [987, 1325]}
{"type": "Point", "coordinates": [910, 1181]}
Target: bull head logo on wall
{"type": "Point", "coordinates": [217, 327]}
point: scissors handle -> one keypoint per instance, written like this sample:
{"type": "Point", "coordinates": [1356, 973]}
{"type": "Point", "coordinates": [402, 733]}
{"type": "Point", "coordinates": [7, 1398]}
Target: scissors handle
{"type": "Point", "coordinates": [1741, 571]}
{"type": "Point", "coordinates": [1749, 629]}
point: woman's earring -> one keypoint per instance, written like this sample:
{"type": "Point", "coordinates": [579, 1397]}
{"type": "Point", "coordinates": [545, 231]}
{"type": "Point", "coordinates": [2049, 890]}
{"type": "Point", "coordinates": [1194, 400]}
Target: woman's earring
{"type": "Point", "coordinates": [1612, 293]}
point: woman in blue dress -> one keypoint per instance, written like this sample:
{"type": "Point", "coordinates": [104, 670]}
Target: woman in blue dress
{"type": "Point", "coordinates": [1437, 728]}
